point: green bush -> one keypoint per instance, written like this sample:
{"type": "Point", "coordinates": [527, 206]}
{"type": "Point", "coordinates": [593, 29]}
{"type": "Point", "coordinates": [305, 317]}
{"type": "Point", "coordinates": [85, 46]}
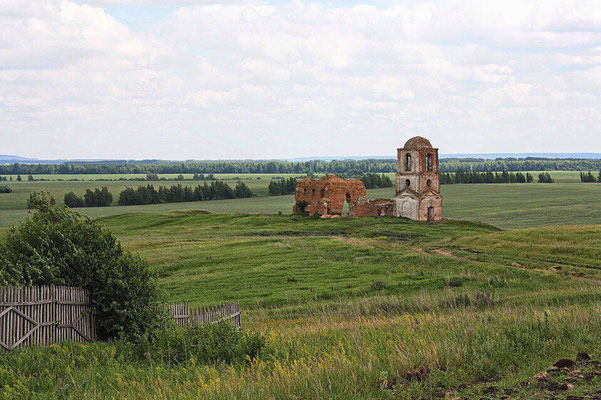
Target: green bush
{"type": "Point", "coordinates": [202, 344]}
{"type": "Point", "coordinates": [5, 189]}
{"type": "Point", "coordinates": [57, 246]}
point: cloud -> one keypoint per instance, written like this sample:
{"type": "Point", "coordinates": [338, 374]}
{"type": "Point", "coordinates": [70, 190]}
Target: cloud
{"type": "Point", "coordinates": [298, 78]}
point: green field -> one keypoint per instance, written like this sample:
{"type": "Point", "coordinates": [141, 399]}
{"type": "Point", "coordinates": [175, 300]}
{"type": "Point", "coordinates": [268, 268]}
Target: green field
{"type": "Point", "coordinates": [353, 308]}
{"type": "Point", "coordinates": [364, 308]}
{"type": "Point", "coordinates": [507, 206]}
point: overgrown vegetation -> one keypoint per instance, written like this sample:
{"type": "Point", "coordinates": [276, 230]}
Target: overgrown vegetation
{"type": "Point", "coordinates": [56, 246]}
{"type": "Point", "coordinates": [365, 308]}
{"type": "Point", "coordinates": [5, 189]}
{"type": "Point", "coordinates": [197, 344]}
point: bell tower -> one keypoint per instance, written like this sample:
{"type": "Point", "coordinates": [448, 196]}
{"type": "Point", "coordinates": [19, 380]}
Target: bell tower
{"type": "Point", "coordinates": [418, 181]}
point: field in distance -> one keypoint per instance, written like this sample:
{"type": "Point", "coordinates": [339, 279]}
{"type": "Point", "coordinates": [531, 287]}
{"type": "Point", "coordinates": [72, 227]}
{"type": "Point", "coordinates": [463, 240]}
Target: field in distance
{"type": "Point", "coordinates": [509, 206]}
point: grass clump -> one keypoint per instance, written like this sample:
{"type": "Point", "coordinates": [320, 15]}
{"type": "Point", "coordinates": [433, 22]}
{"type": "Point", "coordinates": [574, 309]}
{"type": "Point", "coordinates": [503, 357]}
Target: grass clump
{"type": "Point", "coordinates": [197, 344]}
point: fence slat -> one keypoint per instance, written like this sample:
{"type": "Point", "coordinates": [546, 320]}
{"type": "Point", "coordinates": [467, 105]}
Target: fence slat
{"type": "Point", "coordinates": [42, 315]}
{"type": "Point", "coordinates": [184, 315]}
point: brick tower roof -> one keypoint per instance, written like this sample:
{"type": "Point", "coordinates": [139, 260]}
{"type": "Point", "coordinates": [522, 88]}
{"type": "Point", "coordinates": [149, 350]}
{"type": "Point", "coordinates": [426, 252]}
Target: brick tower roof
{"type": "Point", "coordinates": [418, 142]}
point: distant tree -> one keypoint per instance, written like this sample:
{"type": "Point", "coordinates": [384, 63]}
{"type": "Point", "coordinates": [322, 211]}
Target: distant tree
{"type": "Point", "coordinates": [30, 178]}
{"type": "Point", "coordinates": [529, 178]}
{"type": "Point", "coordinates": [73, 201]}
{"type": "Point", "coordinates": [180, 177]}
{"type": "Point", "coordinates": [19, 178]}
{"type": "Point", "coordinates": [545, 178]}
{"type": "Point", "coordinates": [152, 176]}
{"type": "Point", "coordinates": [520, 178]}
{"type": "Point", "coordinates": [279, 187]}
{"type": "Point", "coordinates": [98, 197]}
{"type": "Point", "coordinates": [242, 190]}
{"type": "Point", "coordinates": [587, 177]}
{"type": "Point", "coordinates": [372, 181]}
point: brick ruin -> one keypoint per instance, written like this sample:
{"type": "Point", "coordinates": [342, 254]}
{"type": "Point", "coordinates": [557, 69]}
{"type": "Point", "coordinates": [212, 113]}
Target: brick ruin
{"type": "Point", "coordinates": [417, 189]}
{"type": "Point", "coordinates": [326, 196]}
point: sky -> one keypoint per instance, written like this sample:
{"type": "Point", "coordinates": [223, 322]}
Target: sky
{"type": "Point", "coordinates": [186, 79]}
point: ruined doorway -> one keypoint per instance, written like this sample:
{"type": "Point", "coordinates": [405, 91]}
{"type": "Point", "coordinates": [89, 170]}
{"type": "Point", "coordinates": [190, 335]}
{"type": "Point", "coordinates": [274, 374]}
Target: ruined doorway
{"type": "Point", "coordinates": [430, 213]}
{"type": "Point", "coordinates": [345, 206]}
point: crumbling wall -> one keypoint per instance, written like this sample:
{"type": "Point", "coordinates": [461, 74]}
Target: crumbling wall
{"type": "Point", "coordinates": [326, 196]}
{"type": "Point", "coordinates": [364, 207]}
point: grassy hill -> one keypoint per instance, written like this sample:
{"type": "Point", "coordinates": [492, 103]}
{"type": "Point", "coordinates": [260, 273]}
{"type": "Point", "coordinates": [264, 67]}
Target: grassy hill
{"type": "Point", "coordinates": [366, 308]}
{"type": "Point", "coordinates": [370, 308]}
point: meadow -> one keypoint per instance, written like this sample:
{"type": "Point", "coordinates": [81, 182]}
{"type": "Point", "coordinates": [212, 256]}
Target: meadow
{"type": "Point", "coordinates": [370, 308]}
{"type": "Point", "coordinates": [509, 206]}
{"type": "Point", "coordinates": [363, 308]}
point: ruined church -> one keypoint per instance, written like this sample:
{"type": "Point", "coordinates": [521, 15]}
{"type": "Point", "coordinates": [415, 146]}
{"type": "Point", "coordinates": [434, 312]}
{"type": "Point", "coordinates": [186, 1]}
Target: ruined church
{"type": "Point", "coordinates": [417, 189]}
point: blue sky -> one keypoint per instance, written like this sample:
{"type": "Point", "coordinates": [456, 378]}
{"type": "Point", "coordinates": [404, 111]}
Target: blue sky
{"type": "Point", "coordinates": [208, 79]}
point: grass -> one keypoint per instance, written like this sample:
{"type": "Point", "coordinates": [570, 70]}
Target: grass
{"type": "Point", "coordinates": [509, 206]}
{"type": "Point", "coordinates": [370, 308]}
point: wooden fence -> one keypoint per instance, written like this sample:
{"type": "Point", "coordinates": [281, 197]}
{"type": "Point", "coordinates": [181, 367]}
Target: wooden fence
{"type": "Point", "coordinates": [43, 315]}
{"type": "Point", "coordinates": [184, 314]}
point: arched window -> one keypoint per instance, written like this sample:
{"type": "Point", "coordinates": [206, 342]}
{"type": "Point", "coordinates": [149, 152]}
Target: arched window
{"type": "Point", "coordinates": [429, 162]}
{"type": "Point", "coordinates": [429, 183]}
{"type": "Point", "coordinates": [407, 183]}
{"type": "Point", "coordinates": [408, 162]}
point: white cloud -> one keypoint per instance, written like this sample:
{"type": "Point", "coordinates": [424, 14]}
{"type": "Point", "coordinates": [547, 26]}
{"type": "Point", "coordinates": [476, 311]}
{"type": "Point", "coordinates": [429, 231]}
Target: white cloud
{"type": "Point", "coordinates": [241, 79]}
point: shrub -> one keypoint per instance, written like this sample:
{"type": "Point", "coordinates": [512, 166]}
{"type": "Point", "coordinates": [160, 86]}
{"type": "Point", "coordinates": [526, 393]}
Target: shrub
{"type": "Point", "coordinates": [378, 285]}
{"type": "Point", "coordinates": [301, 205]}
{"type": "Point", "coordinates": [35, 198]}
{"type": "Point", "coordinates": [5, 189]}
{"type": "Point", "coordinates": [57, 246]}
{"type": "Point", "coordinates": [203, 344]}
{"type": "Point", "coordinates": [454, 281]}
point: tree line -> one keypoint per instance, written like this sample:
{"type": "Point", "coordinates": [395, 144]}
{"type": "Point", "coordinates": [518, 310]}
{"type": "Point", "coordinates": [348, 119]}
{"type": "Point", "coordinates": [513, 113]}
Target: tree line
{"type": "Point", "coordinates": [350, 167]}
{"type": "Point", "coordinates": [217, 190]}
{"type": "Point", "coordinates": [279, 187]}
{"type": "Point", "coordinates": [97, 198]}
{"type": "Point", "coordinates": [589, 177]}
{"type": "Point", "coordinates": [372, 181]}
{"type": "Point", "coordinates": [149, 195]}
{"type": "Point", "coordinates": [461, 176]}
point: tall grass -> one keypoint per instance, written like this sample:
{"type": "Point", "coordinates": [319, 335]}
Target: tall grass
{"type": "Point", "coordinates": [355, 357]}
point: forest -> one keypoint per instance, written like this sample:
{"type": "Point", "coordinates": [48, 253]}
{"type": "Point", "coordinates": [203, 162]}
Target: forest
{"type": "Point", "coordinates": [350, 167]}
